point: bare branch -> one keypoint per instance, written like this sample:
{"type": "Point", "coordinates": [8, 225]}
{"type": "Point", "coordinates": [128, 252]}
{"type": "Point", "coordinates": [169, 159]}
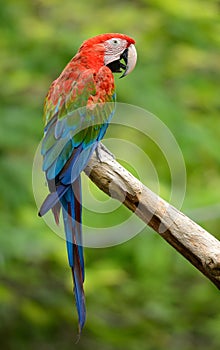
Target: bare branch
{"type": "Point", "coordinates": [187, 237]}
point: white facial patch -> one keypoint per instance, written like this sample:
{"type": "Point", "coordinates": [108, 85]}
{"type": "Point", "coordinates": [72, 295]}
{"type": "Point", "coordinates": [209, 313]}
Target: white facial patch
{"type": "Point", "coordinates": [113, 49]}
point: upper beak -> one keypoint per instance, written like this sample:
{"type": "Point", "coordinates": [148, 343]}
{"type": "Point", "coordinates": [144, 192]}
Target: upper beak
{"type": "Point", "coordinates": [130, 58]}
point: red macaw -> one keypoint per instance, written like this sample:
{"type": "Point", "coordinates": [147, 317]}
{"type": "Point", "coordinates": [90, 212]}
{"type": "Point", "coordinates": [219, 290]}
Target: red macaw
{"type": "Point", "coordinates": [77, 111]}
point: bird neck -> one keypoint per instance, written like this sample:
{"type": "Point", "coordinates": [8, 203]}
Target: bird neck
{"type": "Point", "coordinates": [90, 59]}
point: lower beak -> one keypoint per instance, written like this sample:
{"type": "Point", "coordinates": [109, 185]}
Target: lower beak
{"type": "Point", "coordinates": [130, 58]}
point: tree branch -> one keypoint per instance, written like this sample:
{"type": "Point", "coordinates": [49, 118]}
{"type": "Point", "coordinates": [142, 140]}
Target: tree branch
{"type": "Point", "coordinates": [189, 239]}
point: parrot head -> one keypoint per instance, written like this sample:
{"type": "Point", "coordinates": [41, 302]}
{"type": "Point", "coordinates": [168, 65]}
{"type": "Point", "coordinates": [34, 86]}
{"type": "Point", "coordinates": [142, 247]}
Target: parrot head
{"type": "Point", "coordinates": [114, 50]}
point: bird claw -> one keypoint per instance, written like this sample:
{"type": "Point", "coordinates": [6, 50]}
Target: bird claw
{"type": "Point", "coordinates": [100, 154]}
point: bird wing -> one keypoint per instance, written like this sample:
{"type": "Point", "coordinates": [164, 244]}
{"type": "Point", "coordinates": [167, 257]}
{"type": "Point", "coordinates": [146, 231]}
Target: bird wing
{"type": "Point", "coordinates": [76, 121]}
{"type": "Point", "coordinates": [77, 113]}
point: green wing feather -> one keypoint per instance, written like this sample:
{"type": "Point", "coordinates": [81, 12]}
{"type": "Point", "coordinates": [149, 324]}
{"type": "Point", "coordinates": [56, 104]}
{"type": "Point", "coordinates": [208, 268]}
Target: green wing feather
{"type": "Point", "coordinates": [71, 122]}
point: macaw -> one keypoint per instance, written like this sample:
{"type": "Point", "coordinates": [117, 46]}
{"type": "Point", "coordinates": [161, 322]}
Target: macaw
{"type": "Point", "coordinates": [77, 110]}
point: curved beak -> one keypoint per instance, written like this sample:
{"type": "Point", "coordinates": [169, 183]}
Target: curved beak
{"type": "Point", "coordinates": [123, 61]}
{"type": "Point", "coordinates": [130, 58]}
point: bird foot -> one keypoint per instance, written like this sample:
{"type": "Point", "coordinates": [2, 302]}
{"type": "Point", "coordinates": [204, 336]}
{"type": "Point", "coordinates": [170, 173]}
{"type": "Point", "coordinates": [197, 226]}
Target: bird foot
{"type": "Point", "coordinates": [100, 152]}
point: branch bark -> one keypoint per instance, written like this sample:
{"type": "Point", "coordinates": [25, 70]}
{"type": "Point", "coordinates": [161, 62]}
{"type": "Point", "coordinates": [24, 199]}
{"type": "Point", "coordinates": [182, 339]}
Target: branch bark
{"type": "Point", "coordinates": [188, 238]}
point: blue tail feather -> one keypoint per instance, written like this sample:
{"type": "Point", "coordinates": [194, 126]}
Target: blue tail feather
{"type": "Point", "coordinates": [71, 207]}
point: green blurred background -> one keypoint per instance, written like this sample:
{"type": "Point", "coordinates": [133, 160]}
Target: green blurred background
{"type": "Point", "coordinates": [141, 294]}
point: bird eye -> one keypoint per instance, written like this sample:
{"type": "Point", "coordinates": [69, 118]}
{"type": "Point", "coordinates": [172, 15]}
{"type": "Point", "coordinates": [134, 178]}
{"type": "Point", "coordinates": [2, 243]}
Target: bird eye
{"type": "Point", "coordinates": [115, 41]}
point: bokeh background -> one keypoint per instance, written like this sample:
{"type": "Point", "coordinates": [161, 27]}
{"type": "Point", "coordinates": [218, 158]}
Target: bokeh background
{"type": "Point", "coordinates": [141, 294]}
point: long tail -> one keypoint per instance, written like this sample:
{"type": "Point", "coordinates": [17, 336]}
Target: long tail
{"type": "Point", "coordinates": [72, 209]}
